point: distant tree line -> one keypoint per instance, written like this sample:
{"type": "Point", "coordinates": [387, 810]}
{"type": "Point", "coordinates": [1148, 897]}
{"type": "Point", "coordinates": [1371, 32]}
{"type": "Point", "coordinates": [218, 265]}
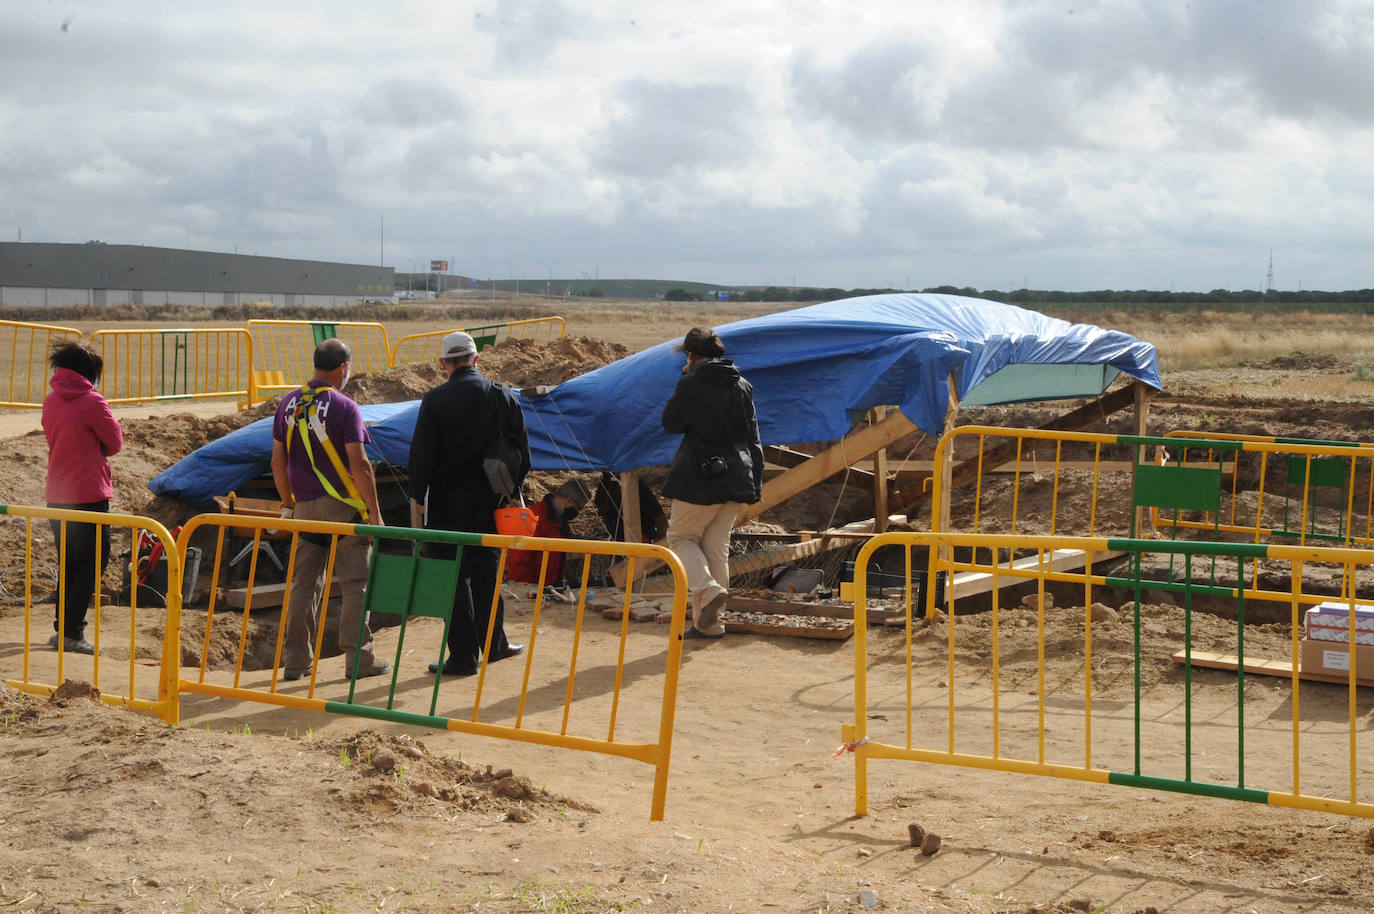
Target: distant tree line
{"type": "Point", "coordinates": [1034, 297]}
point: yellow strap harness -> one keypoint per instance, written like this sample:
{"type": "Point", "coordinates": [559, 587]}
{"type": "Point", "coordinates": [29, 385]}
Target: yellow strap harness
{"type": "Point", "coordinates": [305, 418]}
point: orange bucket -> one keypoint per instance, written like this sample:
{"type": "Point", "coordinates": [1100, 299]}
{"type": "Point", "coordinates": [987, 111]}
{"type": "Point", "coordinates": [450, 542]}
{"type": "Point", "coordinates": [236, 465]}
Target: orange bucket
{"type": "Point", "coordinates": [516, 520]}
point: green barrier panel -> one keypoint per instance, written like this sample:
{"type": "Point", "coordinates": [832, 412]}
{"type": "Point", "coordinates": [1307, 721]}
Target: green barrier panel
{"type": "Point", "coordinates": [412, 586]}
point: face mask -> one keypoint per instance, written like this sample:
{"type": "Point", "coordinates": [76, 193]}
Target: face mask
{"type": "Point", "coordinates": [570, 512]}
{"type": "Point", "coordinates": [348, 373]}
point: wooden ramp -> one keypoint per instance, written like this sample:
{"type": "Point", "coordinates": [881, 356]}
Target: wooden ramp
{"type": "Point", "coordinates": [972, 583]}
{"type": "Point", "coordinates": [1261, 667]}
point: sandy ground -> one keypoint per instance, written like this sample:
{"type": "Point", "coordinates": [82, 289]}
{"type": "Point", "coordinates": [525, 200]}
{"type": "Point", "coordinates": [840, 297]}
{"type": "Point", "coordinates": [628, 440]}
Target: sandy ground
{"type": "Point", "coordinates": [247, 807]}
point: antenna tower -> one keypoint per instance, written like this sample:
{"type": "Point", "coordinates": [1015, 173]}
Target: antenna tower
{"type": "Point", "coordinates": [1269, 274]}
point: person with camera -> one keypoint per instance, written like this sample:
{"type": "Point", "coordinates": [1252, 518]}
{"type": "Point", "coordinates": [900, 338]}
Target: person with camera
{"type": "Point", "coordinates": [717, 469]}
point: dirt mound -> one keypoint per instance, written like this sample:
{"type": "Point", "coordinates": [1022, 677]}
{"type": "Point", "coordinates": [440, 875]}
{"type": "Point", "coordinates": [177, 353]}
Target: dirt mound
{"type": "Point", "coordinates": [132, 787]}
{"type": "Point", "coordinates": [1304, 361]}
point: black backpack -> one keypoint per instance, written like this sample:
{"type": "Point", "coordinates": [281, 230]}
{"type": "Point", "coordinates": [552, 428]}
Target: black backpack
{"type": "Point", "coordinates": [504, 457]}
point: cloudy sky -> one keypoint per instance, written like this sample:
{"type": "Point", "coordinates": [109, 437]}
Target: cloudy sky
{"type": "Point", "coordinates": [1063, 144]}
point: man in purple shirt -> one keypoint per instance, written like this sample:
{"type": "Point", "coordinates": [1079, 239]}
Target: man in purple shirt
{"type": "Point", "coordinates": [322, 473]}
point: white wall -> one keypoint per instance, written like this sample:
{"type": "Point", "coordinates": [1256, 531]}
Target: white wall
{"type": "Point", "coordinates": [32, 297]}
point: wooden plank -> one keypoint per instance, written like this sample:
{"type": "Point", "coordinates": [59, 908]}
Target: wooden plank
{"type": "Point", "coordinates": [972, 583]}
{"type": "Point", "coordinates": [787, 458]}
{"type": "Point", "coordinates": [629, 506]}
{"type": "Point", "coordinates": [266, 596]}
{"type": "Point", "coordinates": [879, 478]}
{"type": "Point", "coordinates": [1261, 667]}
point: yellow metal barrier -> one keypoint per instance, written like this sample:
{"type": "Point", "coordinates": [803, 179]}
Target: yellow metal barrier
{"type": "Point", "coordinates": [1056, 482]}
{"type": "Point", "coordinates": [143, 365]}
{"type": "Point", "coordinates": [424, 347]}
{"type": "Point", "coordinates": [1290, 488]}
{"type": "Point", "coordinates": [1050, 481]}
{"type": "Point", "coordinates": [533, 698]}
{"type": "Point", "coordinates": [981, 693]}
{"type": "Point", "coordinates": [26, 373]}
{"type": "Point", "coordinates": [283, 350]}
{"type": "Point", "coordinates": [123, 637]}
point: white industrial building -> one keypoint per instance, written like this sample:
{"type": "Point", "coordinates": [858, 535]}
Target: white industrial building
{"type": "Point", "coordinates": [98, 275]}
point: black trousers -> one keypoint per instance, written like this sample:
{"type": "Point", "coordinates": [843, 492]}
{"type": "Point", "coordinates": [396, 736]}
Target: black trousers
{"type": "Point", "coordinates": [472, 604]}
{"type": "Point", "coordinates": [78, 575]}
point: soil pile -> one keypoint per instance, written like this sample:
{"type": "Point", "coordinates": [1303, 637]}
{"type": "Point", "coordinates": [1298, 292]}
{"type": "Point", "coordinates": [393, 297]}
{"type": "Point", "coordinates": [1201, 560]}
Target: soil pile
{"type": "Point", "coordinates": [128, 786]}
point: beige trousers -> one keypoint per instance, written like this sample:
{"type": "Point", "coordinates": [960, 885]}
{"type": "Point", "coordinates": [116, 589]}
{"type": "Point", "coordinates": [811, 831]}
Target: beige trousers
{"type": "Point", "coordinates": [700, 535]}
{"type": "Point", "coordinates": [307, 585]}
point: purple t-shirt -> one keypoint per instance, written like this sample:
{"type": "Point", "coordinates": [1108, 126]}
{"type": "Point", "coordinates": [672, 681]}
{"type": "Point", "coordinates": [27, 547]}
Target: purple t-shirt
{"type": "Point", "coordinates": [343, 424]}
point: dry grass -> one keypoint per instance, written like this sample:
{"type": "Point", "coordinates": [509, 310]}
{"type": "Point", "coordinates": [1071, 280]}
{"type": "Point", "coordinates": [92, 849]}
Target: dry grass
{"type": "Point", "coordinates": [1210, 339]}
{"type": "Point", "coordinates": [1185, 341]}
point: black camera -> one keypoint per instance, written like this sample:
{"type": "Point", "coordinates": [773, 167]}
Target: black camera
{"type": "Point", "coordinates": [711, 467]}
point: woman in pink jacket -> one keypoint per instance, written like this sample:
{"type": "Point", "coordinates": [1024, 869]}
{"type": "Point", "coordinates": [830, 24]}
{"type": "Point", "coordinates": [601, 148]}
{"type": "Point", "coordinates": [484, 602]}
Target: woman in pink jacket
{"type": "Point", "coordinates": [82, 433]}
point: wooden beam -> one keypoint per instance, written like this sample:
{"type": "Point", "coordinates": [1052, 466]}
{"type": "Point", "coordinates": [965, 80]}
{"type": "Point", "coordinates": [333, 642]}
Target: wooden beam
{"type": "Point", "coordinates": [268, 596]}
{"type": "Point", "coordinates": [834, 459]}
{"type": "Point", "coordinates": [879, 476]}
{"type": "Point", "coordinates": [1260, 666]}
{"type": "Point", "coordinates": [824, 541]}
{"type": "Point", "coordinates": [781, 555]}
{"type": "Point", "coordinates": [945, 481]}
{"type": "Point", "coordinates": [971, 583]}
{"type": "Point", "coordinates": [629, 506]}
{"type": "Point", "coordinates": [787, 458]}
{"type": "Point", "coordinates": [1142, 394]}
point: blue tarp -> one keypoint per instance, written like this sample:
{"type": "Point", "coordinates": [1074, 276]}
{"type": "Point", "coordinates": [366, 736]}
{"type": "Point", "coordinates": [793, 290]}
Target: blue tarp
{"type": "Point", "coordinates": [814, 371]}
{"type": "Point", "coordinates": [227, 463]}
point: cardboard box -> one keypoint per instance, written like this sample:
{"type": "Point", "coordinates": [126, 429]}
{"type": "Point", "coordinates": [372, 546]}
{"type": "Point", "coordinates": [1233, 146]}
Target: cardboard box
{"type": "Point", "coordinates": [1332, 659]}
{"type": "Point", "coordinates": [1330, 621]}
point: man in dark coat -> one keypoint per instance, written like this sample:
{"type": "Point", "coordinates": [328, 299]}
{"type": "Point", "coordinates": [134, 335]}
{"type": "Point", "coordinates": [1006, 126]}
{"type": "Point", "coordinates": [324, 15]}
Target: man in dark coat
{"type": "Point", "coordinates": [717, 469]}
{"type": "Point", "coordinates": [450, 490]}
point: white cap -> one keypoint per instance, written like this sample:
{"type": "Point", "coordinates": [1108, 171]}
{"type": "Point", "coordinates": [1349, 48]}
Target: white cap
{"type": "Point", "coordinates": [457, 345]}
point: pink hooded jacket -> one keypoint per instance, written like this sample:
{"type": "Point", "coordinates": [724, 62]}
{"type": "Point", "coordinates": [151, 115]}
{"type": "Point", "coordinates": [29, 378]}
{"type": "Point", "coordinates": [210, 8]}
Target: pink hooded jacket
{"type": "Point", "coordinates": [82, 432]}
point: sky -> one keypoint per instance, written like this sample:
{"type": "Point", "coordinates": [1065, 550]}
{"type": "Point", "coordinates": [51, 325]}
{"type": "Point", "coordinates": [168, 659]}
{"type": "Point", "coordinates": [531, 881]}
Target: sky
{"type": "Point", "coordinates": [993, 144]}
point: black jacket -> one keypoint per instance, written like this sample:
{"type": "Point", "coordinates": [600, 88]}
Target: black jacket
{"type": "Point", "coordinates": [456, 421]}
{"type": "Point", "coordinates": [713, 409]}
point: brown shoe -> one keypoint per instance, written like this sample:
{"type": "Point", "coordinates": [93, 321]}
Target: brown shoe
{"type": "Point", "coordinates": [708, 618]}
{"type": "Point", "coordinates": [380, 668]}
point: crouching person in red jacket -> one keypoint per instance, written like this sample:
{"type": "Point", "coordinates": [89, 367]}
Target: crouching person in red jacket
{"type": "Point", "coordinates": [555, 513]}
{"type": "Point", "coordinates": [82, 434]}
